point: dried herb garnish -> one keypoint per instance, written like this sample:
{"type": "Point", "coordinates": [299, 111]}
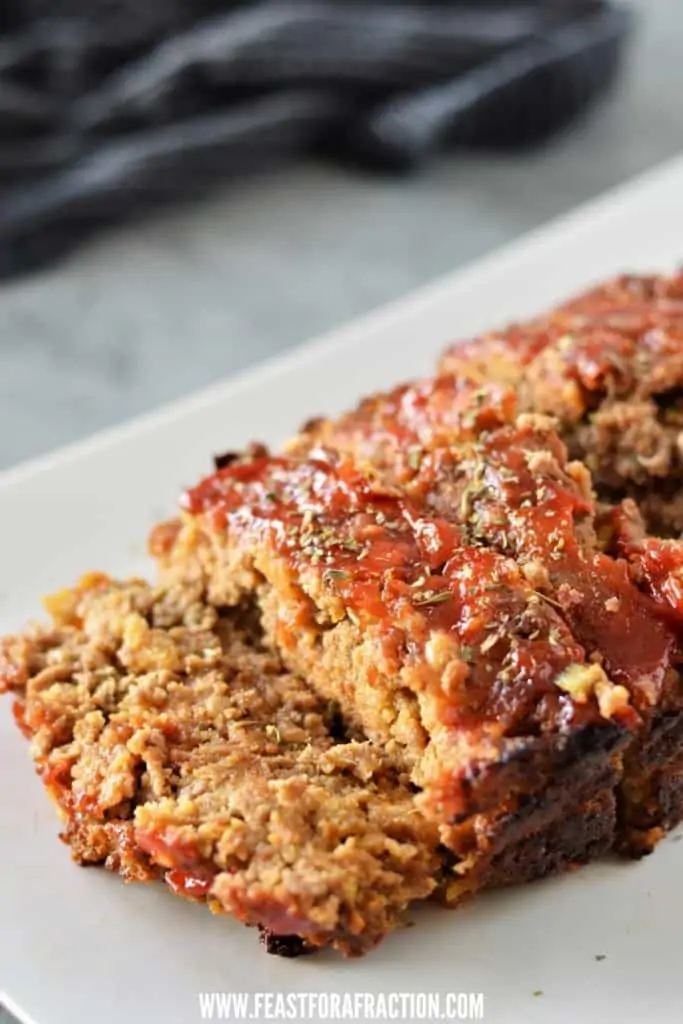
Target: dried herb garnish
{"type": "Point", "coordinates": [550, 600]}
{"type": "Point", "coordinates": [414, 457]}
{"type": "Point", "coordinates": [422, 597]}
{"type": "Point", "coordinates": [490, 641]}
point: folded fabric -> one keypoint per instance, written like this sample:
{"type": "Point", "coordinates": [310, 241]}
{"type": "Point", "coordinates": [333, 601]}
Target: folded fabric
{"type": "Point", "coordinates": [106, 108]}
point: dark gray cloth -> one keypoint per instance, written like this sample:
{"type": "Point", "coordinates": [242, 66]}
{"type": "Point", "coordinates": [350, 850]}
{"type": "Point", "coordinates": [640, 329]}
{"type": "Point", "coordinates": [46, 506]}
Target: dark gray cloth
{"type": "Point", "coordinates": [109, 107]}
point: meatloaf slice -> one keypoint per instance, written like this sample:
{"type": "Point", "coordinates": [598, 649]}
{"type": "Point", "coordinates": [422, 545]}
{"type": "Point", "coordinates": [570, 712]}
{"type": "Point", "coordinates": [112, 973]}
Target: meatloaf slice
{"type": "Point", "coordinates": [609, 365]}
{"type": "Point", "coordinates": [174, 745]}
{"type": "Point", "coordinates": [457, 446]}
{"type": "Point", "coordinates": [437, 647]}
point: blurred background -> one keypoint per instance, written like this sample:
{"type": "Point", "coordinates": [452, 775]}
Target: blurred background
{"type": "Point", "coordinates": [180, 198]}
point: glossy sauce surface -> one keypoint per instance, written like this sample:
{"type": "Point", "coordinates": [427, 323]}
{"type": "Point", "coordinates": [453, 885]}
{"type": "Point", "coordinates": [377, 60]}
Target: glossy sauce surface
{"type": "Point", "coordinates": [527, 506]}
{"type": "Point", "coordinates": [193, 885]}
{"type": "Point", "coordinates": [608, 341]}
{"type": "Point", "coordinates": [393, 564]}
{"type": "Point", "coordinates": [509, 488]}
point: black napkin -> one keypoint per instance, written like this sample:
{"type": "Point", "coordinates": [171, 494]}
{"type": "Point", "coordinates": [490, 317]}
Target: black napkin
{"type": "Point", "coordinates": [110, 106]}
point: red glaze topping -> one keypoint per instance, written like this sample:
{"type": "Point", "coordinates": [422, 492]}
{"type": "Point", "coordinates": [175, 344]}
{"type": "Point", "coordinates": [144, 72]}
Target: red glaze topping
{"type": "Point", "coordinates": [527, 505]}
{"type": "Point", "coordinates": [170, 849]}
{"type": "Point", "coordinates": [396, 428]}
{"type": "Point", "coordinates": [656, 565]}
{"type": "Point", "coordinates": [193, 885]}
{"type": "Point", "coordinates": [394, 565]}
{"type": "Point", "coordinates": [57, 780]}
{"type": "Point", "coordinates": [517, 346]}
{"type": "Point", "coordinates": [262, 908]}
{"type": "Point", "coordinates": [19, 712]}
{"type": "Point", "coordinates": [510, 490]}
{"type": "Point", "coordinates": [603, 340]}
{"type": "Point", "coordinates": [189, 874]}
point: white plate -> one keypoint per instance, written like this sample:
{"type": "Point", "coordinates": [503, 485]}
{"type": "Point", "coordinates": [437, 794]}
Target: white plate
{"type": "Point", "coordinates": [78, 946]}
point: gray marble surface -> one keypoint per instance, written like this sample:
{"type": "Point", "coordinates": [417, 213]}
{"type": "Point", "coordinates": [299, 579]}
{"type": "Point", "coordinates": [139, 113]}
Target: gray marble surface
{"type": "Point", "coordinates": [151, 312]}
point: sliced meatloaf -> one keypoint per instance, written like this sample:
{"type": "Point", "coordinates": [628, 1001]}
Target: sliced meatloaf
{"type": "Point", "coordinates": [175, 746]}
{"type": "Point", "coordinates": [508, 696]}
{"type": "Point", "coordinates": [609, 366]}
{"type": "Point", "coordinates": [423, 652]}
{"type": "Point", "coordinates": [459, 447]}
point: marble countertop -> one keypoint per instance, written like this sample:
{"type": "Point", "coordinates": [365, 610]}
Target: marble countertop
{"type": "Point", "coordinates": [150, 312]}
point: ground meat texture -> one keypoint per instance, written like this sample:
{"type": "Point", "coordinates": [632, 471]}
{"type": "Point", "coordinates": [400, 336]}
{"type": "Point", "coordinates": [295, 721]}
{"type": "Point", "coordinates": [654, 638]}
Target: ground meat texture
{"type": "Point", "coordinates": [437, 647]}
{"type": "Point", "coordinates": [507, 483]}
{"type": "Point", "coordinates": [609, 366]}
{"type": "Point", "coordinates": [175, 746]}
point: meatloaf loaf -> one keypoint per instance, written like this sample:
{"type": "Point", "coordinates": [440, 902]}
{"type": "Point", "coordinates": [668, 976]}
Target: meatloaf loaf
{"type": "Point", "coordinates": [433, 647]}
{"type": "Point", "coordinates": [609, 366]}
{"type": "Point", "coordinates": [460, 447]}
{"type": "Point", "coordinates": [175, 746]}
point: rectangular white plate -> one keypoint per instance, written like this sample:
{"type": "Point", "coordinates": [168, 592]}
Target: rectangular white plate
{"type": "Point", "coordinates": [78, 945]}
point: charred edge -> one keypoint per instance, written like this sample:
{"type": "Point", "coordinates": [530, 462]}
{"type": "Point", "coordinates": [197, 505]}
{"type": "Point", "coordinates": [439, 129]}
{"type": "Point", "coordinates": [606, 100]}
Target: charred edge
{"type": "Point", "coordinates": [225, 459]}
{"type": "Point", "coordinates": [288, 946]}
{"type": "Point", "coordinates": [584, 747]}
{"type": "Point", "coordinates": [254, 450]}
{"type": "Point", "coordinates": [575, 839]}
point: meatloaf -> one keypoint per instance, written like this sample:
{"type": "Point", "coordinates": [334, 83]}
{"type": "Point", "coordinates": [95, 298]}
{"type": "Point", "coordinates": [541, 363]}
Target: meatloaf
{"type": "Point", "coordinates": [175, 746]}
{"type": "Point", "coordinates": [609, 366]}
{"type": "Point", "coordinates": [466, 621]}
{"type": "Point", "coordinates": [432, 647]}
{"type": "Point", "coordinates": [460, 447]}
